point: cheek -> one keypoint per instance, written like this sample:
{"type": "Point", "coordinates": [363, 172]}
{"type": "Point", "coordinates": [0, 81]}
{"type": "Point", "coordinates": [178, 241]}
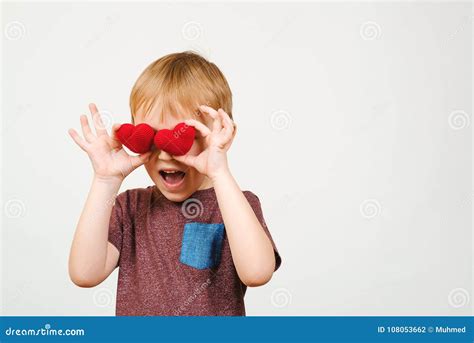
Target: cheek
{"type": "Point", "coordinates": [150, 166]}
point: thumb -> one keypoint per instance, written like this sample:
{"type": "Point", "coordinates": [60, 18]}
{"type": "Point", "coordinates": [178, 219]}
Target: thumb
{"type": "Point", "coordinates": [114, 130]}
{"type": "Point", "coordinates": [115, 141]}
{"type": "Point", "coordinates": [137, 161]}
{"type": "Point", "coordinates": [188, 160]}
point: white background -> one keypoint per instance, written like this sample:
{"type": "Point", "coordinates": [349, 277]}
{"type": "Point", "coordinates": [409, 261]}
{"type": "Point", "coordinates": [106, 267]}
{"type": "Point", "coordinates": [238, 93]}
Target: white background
{"type": "Point", "coordinates": [354, 131]}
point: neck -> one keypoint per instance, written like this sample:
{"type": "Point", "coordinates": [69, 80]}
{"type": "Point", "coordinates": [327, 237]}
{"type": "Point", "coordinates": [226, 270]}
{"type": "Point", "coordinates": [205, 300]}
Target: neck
{"type": "Point", "coordinates": [206, 183]}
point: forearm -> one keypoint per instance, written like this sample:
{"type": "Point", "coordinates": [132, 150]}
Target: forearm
{"type": "Point", "coordinates": [89, 247]}
{"type": "Point", "coordinates": [252, 251]}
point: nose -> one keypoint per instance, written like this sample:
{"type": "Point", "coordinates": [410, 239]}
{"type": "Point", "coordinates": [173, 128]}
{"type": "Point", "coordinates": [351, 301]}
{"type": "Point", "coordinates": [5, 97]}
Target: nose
{"type": "Point", "coordinates": [164, 156]}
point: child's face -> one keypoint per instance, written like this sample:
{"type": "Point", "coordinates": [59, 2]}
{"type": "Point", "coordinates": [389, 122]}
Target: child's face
{"type": "Point", "coordinates": [175, 180]}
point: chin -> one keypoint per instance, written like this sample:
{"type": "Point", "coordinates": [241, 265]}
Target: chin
{"type": "Point", "coordinates": [175, 197]}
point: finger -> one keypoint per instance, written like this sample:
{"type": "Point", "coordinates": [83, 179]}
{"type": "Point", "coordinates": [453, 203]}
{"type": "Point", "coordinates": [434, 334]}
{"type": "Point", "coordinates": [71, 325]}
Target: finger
{"type": "Point", "coordinates": [225, 116]}
{"type": "Point", "coordinates": [188, 160]}
{"type": "Point", "coordinates": [208, 110]}
{"type": "Point", "coordinates": [227, 124]}
{"type": "Point", "coordinates": [86, 130]}
{"type": "Point", "coordinates": [115, 141]}
{"type": "Point", "coordinates": [228, 144]}
{"type": "Point", "coordinates": [78, 139]}
{"type": "Point", "coordinates": [233, 136]}
{"type": "Point", "coordinates": [203, 129]}
{"type": "Point", "coordinates": [115, 128]}
{"type": "Point", "coordinates": [228, 141]}
{"type": "Point", "coordinates": [226, 121]}
{"type": "Point", "coordinates": [97, 120]}
{"type": "Point", "coordinates": [231, 122]}
{"type": "Point", "coordinates": [137, 161]}
{"type": "Point", "coordinates": [216, 124]}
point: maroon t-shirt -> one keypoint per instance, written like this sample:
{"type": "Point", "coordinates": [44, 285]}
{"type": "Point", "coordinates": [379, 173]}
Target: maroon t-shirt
{"type": "Point", "coordinates": [175, 258]}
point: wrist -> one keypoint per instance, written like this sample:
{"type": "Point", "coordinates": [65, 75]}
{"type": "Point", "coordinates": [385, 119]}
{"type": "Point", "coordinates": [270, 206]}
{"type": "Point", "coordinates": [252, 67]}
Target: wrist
{"type": "Point", "coordinates": [221, 176]}
{"type": "Point", "coordinates": [108, 180]}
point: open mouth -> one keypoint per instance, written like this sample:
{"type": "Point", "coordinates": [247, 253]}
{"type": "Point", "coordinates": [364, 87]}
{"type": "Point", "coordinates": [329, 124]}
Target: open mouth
{"type": "Point", "coordinates": [172, 177]}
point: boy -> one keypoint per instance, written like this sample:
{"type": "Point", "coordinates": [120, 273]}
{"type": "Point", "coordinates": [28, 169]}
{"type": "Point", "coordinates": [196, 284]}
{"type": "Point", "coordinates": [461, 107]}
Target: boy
{"type": "Point", "coordinates": [191, 243]}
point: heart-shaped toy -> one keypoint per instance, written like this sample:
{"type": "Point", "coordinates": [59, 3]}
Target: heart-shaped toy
{"type": "Point", "coordinates": [177, 141]}
{"type": "Point", "coordinates": [138, 139]}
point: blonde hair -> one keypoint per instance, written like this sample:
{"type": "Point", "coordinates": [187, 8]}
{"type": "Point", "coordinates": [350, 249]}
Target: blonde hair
{"type": "Point", "coordinates": [180, 82]}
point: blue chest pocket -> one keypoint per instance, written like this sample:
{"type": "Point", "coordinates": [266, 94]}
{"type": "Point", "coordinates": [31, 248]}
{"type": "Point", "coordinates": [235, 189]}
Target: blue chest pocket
{"type": "Point", "coordinates": [201, 245]}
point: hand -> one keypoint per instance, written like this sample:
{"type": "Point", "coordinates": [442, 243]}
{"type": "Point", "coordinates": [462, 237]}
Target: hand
{"type": "Point", "coordinates": [109, 160]}
{"type": "Point", "coordinates": [212, 161]}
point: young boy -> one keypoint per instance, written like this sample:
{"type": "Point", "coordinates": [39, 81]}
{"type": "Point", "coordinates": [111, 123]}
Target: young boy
{"type": "Point", "coordinates": [191, 243]}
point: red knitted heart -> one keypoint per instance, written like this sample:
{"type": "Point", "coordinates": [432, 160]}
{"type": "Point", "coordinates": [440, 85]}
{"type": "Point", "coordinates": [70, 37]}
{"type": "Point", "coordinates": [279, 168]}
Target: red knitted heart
{"type": "Point", "coordinates": [177, 141]}
{"type": "Point", "coordinates": [138, 139]}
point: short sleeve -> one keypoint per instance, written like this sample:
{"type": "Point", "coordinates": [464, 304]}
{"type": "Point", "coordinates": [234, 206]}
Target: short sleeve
{"type": "Point", "coordinates": [116, 222]}
{"type": "Point", "coordinates": [255, 204]}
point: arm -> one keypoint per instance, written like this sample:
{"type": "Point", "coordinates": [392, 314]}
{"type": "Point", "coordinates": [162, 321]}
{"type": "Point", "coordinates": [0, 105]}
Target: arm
{"type": "Point", "coordinates": [92, 258]}
{"type": "Point", "coordinates": [252, 250]}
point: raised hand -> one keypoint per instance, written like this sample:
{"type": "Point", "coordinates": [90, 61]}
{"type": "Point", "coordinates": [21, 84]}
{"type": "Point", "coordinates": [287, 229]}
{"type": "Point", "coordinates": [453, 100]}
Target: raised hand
{"type": "Point", "coordinates": [109, 160]}
{"type": "Point", "coordinates": [213, 159]}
